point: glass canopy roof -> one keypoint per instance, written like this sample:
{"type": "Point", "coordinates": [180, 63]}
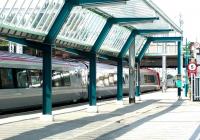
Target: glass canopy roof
{"type": "Point", "coordinates": [82, 27]}
{"type": "Point", "coordinates": [132, 8]}
{"type": "Point", "coordinates": [116, 39]}
{"type": "Point", "coordinates": [31, 16]}
{"type": "Point", "coordinates": [33, 19]}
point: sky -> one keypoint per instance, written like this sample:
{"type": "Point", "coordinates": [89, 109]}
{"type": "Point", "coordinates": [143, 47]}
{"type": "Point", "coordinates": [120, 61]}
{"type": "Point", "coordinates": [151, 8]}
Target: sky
{"type": "Point", "coordinates": [190, 12]}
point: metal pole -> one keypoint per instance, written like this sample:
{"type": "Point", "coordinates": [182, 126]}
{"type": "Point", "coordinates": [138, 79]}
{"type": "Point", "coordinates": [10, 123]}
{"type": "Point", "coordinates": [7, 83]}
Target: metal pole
{"type": "Point", "coordinates": [179, 65]}
{"type": "Point", "coordinates": [186, 70]}
{"type": "Point", "coordinates": [120, 79]}
{"type": "Point", "coordinates": [47, 82]}
{"type": "Point", "coordinates": [138, 80]}
{"type": "Point", "coordinates": [92, 78]}
{"type": "Point", "coordinates": [132, 73]}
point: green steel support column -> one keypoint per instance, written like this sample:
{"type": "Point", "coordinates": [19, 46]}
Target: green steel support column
{"type": "Point", "coordinates": [92, 70]}
{"type": "Point", "coordinates": [138, 92]}
{"type": "Point", "coordinates": [47, 82]}
{"type": "Point", "coordinates": [92, 78]}
{"type": "Point", "coordinates": [120, 79]}
{"type": "Point", "coordinates": [179, 64]}
{"type": "Point", "coordinates": [186, 71]}
{"type": "Point", "coordinates": [47, 64]}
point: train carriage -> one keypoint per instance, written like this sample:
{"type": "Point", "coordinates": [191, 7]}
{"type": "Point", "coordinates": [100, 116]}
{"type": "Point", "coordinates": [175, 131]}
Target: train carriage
{"type": "Point", "coordinates": [21, 81]}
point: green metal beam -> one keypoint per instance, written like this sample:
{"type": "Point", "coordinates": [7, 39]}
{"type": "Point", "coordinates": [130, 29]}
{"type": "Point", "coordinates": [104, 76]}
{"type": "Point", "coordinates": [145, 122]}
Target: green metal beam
{"type": "Point", "coordinates": [98, 43]}
{"type": "Point", "coordinates": [59, 21]}
{"type": "Point", "coordinates": [76, 51]}
{"type": "Point", "coordinates": [102, 36]}
{"type": "Point", "coordinates": [138, 32]}
{"type": "Point", "coordinates": [156, 39]}
{"type": "Point", "coordinates": [151, 31]}
{"type": "Point", "coordinates": [64, 14]}
{"type": "Point", "coordinates": [86, 54]}
{"type": "Point", "coordinates": [144, 49]}
{"type": "Point", "coordinates": [127, 45]}
{"type": "Point", "coordinates": [110, 21]}
{"type": "Point", "coordinates": [165, 39]}
{"type": "Point", "coordinates": [107, 57]}
{"type": "Point", "coordinates": [29, 43]}
{"type": "Point", "coordinates": [132, 20]}
{"type": "Point", "coordinates": [99, 2]}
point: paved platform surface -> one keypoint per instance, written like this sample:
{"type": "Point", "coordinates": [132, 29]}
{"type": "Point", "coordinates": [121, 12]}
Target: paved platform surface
{"type": "Point", "coordinates": [159, 116]}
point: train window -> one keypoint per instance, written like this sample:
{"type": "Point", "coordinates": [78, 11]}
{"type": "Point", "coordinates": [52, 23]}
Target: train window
{"type": "Point", "coordinates": [66, 78]}
{"type": "Point", "coordinates": [56, 79]}
{"type": "Point", "coordinates": [6, 78]}
{"type": "Point", "coordinates": [22, 79]}
{"type": "Point", "coordinates": [149, 78]}
{"type": "Point", "coordinates": [35, 78]}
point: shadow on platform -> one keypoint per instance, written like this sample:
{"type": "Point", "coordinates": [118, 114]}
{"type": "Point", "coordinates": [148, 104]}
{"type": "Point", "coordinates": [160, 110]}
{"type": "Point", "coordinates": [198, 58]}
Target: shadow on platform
{"type": "Point", "coordinates": [121, 131]}
{"type": "Point", "coordinates": [57, 128]}
{"type": "Point", "coordinates": [196, 134]}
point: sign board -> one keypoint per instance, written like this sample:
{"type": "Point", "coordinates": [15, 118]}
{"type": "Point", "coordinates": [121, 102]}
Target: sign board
{"type": "Point", "coordinates": [192, 68]}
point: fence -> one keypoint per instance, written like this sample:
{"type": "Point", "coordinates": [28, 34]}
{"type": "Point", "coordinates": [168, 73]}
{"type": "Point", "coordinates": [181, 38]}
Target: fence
{"type": "Point", "coordinates": [195, 88]}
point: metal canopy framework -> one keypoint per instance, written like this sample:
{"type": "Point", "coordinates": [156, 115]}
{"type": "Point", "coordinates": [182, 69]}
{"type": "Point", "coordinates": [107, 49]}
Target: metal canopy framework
{"type": "Point", "coordinates": [42, 20]}
{"type": "Point", "coordinates": [91, 28]}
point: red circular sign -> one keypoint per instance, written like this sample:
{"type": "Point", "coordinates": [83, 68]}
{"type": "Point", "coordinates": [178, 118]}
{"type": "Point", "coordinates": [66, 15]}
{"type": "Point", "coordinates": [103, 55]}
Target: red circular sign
{"type": "Point", "coordinates": [192, 67]}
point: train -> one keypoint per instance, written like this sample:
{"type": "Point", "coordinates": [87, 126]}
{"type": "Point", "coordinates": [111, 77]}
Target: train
{"type": "Point", "coordinates": [21, 81]}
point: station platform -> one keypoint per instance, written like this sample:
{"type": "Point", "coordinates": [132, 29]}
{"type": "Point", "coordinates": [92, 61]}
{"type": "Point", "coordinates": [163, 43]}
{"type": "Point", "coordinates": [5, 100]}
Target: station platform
{"type": "Point", "coordinates": [157, 116]}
